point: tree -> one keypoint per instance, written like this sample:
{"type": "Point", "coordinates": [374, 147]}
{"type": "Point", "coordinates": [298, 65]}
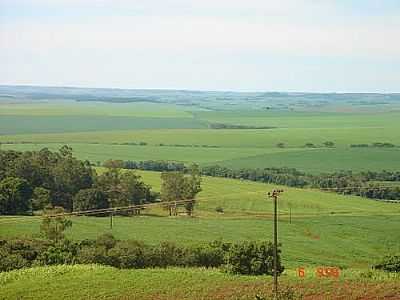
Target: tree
{"type": "Point", "coordinates": [172, 190]}
{"type": "Point", "coordinates": [112, 163]}
{"type": "Point", "coordinates": [281, 145]}
{"type": "Point", "coordinates": [178, 186]}
{"type": "Point", "coordinates": [15, 196]}
{"type": "Point", "coordinates": [70, 176]}
{"type": "Point", "coordinates": [192, 187]}
{"type": "Point", "coordinates": [54, 224]}
{"type": "Point", "coordinates": [329, 144]}
{"type": "Point", "coordinates": [41, 198]}
{"type": "Point", "coordinates": [134, 190]}
{"type": "Point", "coordinates": [91, 198]}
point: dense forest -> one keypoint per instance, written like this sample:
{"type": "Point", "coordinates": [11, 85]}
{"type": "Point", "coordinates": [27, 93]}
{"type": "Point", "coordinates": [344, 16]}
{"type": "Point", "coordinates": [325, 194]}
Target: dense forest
{"type": "Point", "coordinates": [35, 180]}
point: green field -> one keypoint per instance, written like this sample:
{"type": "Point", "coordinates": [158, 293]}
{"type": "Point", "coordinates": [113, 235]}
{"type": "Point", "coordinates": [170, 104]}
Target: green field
{"type": "Point", "coordinates": [326, 228]}
{"type": "Point", "coordinates": [315, 228]}
{"type": "Point", "coordinates": [96, 130]}
{"type": "Point", "coordinates": [100, 282]}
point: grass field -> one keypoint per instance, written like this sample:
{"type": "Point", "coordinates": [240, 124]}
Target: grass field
{"type": "Point", "coordinates": [52, 124]}
{"type": "Point", "coordinates": [326, 228]}
{"type": "Point", "coordinates": [99, 282]}
{"type": "Point", "coordinates": [315, 228]}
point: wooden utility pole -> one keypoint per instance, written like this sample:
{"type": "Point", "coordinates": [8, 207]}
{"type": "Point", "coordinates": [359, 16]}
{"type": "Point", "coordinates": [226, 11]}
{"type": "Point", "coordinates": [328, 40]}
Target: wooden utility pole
{"type": "Point", "coordinates": [274, 195]}
{"type": "Point", "coordinates": [111, 220]}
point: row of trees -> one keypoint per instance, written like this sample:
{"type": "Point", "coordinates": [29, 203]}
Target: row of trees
{"type": "Point", "coordinates": [365, 184]}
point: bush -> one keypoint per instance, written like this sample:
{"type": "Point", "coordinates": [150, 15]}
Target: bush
{"type": "Point", "coordinates": [169, 254]}
{"type": "Point", "coordinates": [252, 258]}
{"type": "Point", "coordinates": [286, 293]}
{"type": "Point", "coordinates": [93, 255]}
{"type": "Point", "coordinates": [63, 253]}
{"type": "Point", "coordinates": [389, 264]}
{"type": "Point", "coordinates": [209, 256]}
{"type": "Point", "coordinates": [219, 209]}
{"type": "Point", "coordinates": [10, 261]}
{"type": "Point", "coordinates": [129, 254]}
{"type": "Point", "coordinates": [106, 240]}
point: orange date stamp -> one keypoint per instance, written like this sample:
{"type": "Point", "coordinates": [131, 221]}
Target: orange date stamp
{"type": "Point", "coordinates": [321, 272]}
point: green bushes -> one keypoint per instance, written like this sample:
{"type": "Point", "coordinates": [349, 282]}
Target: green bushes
{"type": "Point", "coordinates": [249, 258]}
{"type": "Point", "coordinates": [252, 258]}
{"type": "Point", "coordinates": [389, 264]}
{"type": "Point", "coordinates": [58, 254]}
{"type": "Point", "coordinates": [17, 254]}
{"type": "Point", "coordinates": [10, 261]}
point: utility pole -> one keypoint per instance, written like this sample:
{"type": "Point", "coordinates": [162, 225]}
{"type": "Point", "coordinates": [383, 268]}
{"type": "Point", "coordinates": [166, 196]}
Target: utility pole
{"type": "Point", "coordinates": [274, 195]}
{"type": "Point", "coordinates": [111, 220]}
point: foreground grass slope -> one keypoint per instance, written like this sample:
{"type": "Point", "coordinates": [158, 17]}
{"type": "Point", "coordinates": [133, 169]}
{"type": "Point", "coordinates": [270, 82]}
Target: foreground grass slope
{"type": "Point", "coordinates": [325, 228]}
{"type": "Point", "coordinates": [99, 282]}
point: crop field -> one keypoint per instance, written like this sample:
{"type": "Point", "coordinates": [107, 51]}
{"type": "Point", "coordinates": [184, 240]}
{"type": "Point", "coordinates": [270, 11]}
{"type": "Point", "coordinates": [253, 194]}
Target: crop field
{"type": "Point", "coordinates": [100, 131]}
{"type": "Point", "coordinates": [315, 228]}
{"type": "Point", "coordinates": [325, 228]}
{"type": "Point", "coordinates": [100, 282]}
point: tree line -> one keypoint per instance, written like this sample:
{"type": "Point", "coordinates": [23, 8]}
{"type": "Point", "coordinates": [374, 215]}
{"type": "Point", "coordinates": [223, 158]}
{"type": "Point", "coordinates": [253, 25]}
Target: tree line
{"type": "Point", "coordinates": [365, 184]}
{"type": "Point", "coordinates": [36, 180]}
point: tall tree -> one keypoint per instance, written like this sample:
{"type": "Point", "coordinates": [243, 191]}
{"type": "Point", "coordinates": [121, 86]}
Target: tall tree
{"type": "Point", "coordinates": [15, 196]}
{"type": "Point", "coordinates": [192, 187]}
{"type": "Point", "coordinates": [178, 186]}
{"type": "Point", "coordinates": [87, 199]}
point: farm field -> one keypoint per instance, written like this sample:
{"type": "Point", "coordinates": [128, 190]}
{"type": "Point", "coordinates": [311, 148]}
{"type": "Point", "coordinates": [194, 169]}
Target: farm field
{"type": "Point", "coordinates": [97, 132]}
{"type": "Point", "coordinates": [100, 282]}
{"type": "Point", "coordinates": [326, 228]}
{"type": "Point", "coordinates": [315, 228]}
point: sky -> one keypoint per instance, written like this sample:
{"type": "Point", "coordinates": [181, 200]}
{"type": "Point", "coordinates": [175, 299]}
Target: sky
{"type": "Point", "coordinates": [236, 45]}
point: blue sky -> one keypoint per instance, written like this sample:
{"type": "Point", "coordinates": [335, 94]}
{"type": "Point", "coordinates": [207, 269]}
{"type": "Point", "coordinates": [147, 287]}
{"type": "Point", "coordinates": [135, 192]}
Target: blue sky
{"type": "Point", "coordinates": [243, 45]}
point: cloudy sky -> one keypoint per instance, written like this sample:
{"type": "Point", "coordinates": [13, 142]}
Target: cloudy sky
{"type": "Point", "coordinates": [244, 45]}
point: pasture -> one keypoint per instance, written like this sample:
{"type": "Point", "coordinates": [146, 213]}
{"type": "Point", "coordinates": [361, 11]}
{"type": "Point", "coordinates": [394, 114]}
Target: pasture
{"type": "Point", "coordinates": [97, 132]}
{"type": "Point", "coordinates": [315, 228]}
{"type": "Point", "coordinates": [325, 228]}
{"type": "Point", "coordinates": [100, 282]}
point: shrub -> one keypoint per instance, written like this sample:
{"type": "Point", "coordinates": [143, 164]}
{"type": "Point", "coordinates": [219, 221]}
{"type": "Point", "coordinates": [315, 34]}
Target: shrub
{"type": "Point", "coordinates": [59, 254]}
{"type": "Point", "coordinates": [252, 258]}
{"type": "Point", "coordinates": [286, 293]}
{"type": "Point", "coordinates": [106, 240]}
{"type": "Point", "coordinates": [209, 256]}
{"type": "Point", "coordinates": [281, 145]}
{"type": "Point", "coordinates": [169, 254]}
{"type": "Point", "coordinates": [93, 255]}
{"type": "Point", "coordinates": [389, 264]}
{"type": "Point", "coordinates": [129, 254]}
{"type": "Point", "coordinates": [219, 209]}
{"type": "Point", "coordinates": [10, 261]}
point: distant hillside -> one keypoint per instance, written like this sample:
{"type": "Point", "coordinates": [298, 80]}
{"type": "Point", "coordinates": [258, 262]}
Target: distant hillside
{"type": "Point", "coordinates": [203, 99]}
